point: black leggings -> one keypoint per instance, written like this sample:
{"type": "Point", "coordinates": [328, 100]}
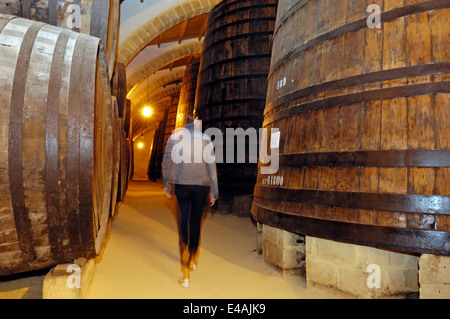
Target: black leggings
{"type": "Point", "coordinates": [191, 201]}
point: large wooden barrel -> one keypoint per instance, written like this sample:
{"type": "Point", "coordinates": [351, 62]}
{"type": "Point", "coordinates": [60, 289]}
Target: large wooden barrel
{"type": "Point", "coordinates": [157, 153]}
{"type": "Point", "coordinates": [55, 164]}
{"type": "Point", "coordinates": [119, 88]}
{"type": "Point", "coordinates": [364, 118]}
{"type": "Point", "coordinates": [117, 148]}
{"type": "Point", "coordinates": [188, 93]}
{"type": "Point", "coordinates": [99, 18]}
{"type": "Point", "coordinates": [232, 83]}
{"type": "Point", "coordinates": [171, 118]}
{"type": "Point", "coordinates": [125, 160]}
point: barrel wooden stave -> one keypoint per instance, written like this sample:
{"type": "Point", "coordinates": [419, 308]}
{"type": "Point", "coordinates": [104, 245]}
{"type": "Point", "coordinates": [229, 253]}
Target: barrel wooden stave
{"type": "Point", "coordinates": [47, 217]}
{"type": "Point", "coordinates": [354, 90]}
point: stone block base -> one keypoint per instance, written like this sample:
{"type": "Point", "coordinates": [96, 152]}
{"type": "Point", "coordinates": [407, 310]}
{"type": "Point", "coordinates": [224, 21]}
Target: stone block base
{"type": "Point", "coordinates": [360, 271]}
{"type": "Point", "coordinates": [69, 281]}
{"type": "Point", "coordinates": [283, 250]}
{"type": "Point", "coordinates": [434, 277]}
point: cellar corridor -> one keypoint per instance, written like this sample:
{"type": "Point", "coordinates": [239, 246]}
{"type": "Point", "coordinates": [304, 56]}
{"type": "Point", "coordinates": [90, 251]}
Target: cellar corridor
{"type": "Point", "coordinates": [140, 259]}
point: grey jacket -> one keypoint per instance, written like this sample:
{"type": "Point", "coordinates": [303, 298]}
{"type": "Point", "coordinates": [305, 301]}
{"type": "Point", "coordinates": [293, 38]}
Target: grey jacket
{"type": "Point", "coordinates": [189, 160]}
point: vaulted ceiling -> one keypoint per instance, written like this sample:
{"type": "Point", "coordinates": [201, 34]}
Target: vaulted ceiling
{"type": "Point", "coordinates": [158, 39]}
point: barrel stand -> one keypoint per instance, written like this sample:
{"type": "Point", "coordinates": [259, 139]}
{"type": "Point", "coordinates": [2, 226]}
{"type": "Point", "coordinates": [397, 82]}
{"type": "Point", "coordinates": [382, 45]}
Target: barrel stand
{"type": "Point", "coordinates": [69, 281]}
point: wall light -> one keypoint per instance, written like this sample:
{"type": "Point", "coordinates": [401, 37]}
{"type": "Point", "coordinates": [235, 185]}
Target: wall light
{"type": "Point", "coordinates": [140, 145]}
{"type": "Point", "coordinates": [147, 111]}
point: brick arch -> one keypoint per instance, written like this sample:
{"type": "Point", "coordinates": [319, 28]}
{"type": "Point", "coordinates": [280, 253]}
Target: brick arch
{"type": "Point", "coordinates": [162, 60]}
{"type": "Point", "coordinates": [137, 41]}
{"type": "Point", "coordinates": [139, 93]}
{"type": "Point", "coordinates": [155, 98]}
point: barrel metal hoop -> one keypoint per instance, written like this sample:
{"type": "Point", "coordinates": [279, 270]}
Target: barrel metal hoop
{"type": "Point", "coordinates": [237, 78]}
{"type": "Point", "coordinates": [208, 46]}
{"type": "Point", "coordinates": [367, 96]}
{"type": "Point", "coordinates": [21, 218]}
{"type": "Point", "coordinates": [73, 144]}
{"type": "Point", "coordinates": [435, 205]}
{"type": "Point", "coordinates": [239, 22]}
{"type": "Point", "coordinates": [405, 240]}
{"type": "Point", "coordinates": [412, 71]}
{"type": "Point", "coordinates": [382, 158]}
{"type": "Point", "coordinates": [223, 6]}
{"type": "Point", "coordinates": [52, 148]}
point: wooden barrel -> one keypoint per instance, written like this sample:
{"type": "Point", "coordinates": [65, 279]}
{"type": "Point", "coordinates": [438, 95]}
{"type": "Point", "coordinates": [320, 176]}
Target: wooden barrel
{"type": "Point", "coordinates": [188, 93]}
{"type": "Point", "coordinates": [171, 118]}
{"type": "Point", "coordinates": [127, 119]}
{"type": "Point", "coordinates": [364, 118]}
{"type": "Point", "coordinates": [119, 88]}
{"type": "Point", "coordinates": [233, 78]}
{"type": "Point", "coordinates": [55, 165]}
{"type": "Point", "coordinates": [99, 18]}
{"type": "Point", "coordinates": [117, 141]}
{"type": "Point", "coordinates": [156, 157]}
{"type": "Point", "coordinates": [125, 160]}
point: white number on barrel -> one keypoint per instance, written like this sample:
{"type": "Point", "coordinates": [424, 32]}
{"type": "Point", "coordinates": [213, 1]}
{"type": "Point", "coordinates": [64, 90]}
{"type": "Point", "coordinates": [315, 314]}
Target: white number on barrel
{"type": "Point", "coordinates": [281, 83]}
{"type": "Point", "coordinates": [273, 180]}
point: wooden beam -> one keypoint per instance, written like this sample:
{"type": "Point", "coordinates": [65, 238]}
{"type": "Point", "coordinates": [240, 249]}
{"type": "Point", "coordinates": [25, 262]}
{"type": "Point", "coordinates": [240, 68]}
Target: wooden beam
{"type": "Point", "coordinates": [183, 29]}
{"type": "Point", "coordinates": [203, 28]}
{"type": "Point", "coordinates": [160, 38]}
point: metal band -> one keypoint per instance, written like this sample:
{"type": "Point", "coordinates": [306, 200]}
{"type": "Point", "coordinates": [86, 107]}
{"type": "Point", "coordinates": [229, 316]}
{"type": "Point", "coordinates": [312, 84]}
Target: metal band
{"type": "Point", "coordinates": [418, 70]}
{"type": "Point", "coordinates": [234, 102]}
{"type": "Point", "coordinates": [407, 240]}
{"type": "Point", "coordinates": [255, 76]}
{"type": "Point", "coordinates": [73, 150]}
{"type": "Point", "coordinates": [224, 6]}
{"type": "Point", "coordinates": [236, 37]}
{"type": "Point", "coordinates": [349, 99]}
{"type": "Point", "coordinates": [436, 205]}
{"type": "Point", "coordinates": [250, 117]}
{"type": "Point", "coordinates": [87, 147]}
{"type": "Point", "coordinates": [237, 59]}
{"type": "Point", "coordinates": [52, 148]}
{"type": "Point", "coordinates": [390, 158]}
{"type": "Point", "coordinates": [289, 14]}
{"type": "Point", "coordinates": [243, 21]}
{"type": "Point", "coordinates": [21, 218]}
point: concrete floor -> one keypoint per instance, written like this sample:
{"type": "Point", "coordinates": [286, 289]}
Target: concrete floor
{"type": "Point", "coordinates": [140, 259]}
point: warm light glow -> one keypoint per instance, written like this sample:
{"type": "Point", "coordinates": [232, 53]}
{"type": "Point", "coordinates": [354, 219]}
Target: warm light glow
{"type": "Point", "coordinates": [147, 111]}
{"type": "Point", "coordinates": [140, 146]}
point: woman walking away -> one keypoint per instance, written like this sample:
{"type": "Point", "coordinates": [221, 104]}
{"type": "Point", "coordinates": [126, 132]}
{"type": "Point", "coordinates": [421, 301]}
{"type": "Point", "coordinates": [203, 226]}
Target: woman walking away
{"type": "Point", "coordinates": [190, 178]}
